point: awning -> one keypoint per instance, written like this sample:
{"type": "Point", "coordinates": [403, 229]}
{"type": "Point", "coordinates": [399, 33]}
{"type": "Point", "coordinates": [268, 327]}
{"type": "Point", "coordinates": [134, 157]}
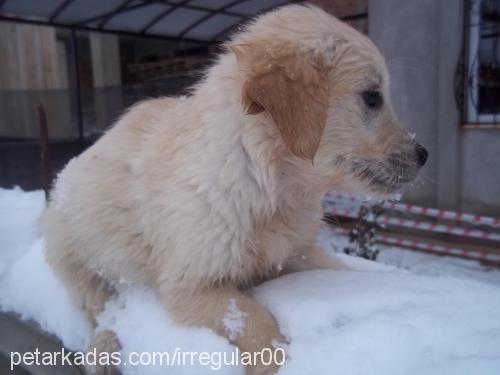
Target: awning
{"type": "Point", "coordinates": [206, 21]}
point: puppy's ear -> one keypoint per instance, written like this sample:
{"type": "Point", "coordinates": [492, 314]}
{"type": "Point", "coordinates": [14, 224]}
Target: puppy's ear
{"type": "Point", "coordinates": [292, 86]}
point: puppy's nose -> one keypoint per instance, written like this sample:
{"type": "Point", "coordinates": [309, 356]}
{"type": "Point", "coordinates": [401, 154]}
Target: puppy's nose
{"type": "Point", "coordinates": [422, 154]}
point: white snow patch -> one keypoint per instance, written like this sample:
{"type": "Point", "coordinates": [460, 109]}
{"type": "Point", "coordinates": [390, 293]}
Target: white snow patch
{"type": "Point", "coordinates": [378, 319]}
{"type": "Point", "coordinates": [384, 323]}
{"type": "Point", "coordinates": [31, 289]}
{"type": "Point", "coordinates": [19, 213]}
{"type": "Point", "coordinates": [234, 320]}
{"type": "Point", "coordinates": [143, 326]}
{"type": "Point", "coordinates": [401, 260]}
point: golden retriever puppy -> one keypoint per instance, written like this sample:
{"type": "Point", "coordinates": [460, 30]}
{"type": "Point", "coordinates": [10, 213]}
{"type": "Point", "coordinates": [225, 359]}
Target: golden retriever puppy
{"type": "Point", "coordinates": [202, 197]}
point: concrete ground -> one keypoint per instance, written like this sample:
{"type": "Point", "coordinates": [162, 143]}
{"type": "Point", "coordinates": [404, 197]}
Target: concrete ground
{"type": "Point", "coordinates": [22, 337]}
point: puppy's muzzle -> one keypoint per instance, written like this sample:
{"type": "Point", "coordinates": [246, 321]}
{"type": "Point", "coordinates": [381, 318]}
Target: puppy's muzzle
{"type": "Point", "coordinates": [422, 155]}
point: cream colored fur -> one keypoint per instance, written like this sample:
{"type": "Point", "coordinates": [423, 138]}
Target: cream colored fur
{"type": "Point", "coordinates": [204, 196]}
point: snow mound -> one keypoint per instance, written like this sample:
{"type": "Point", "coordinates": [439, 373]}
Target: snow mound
{"type": "Point", "coordinates": [385, 323]}
{"type": "Point", "coordinates": [376, 320]}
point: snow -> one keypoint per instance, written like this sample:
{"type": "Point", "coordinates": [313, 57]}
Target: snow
{"type": "Point", "coordinates": [383, 323]}
{"type": "Point", "coordinates": [431, 265]}
{"type": "Point", "coordinates": [390, 258]}
{"type": "Point", "coordinates": [18, 216]}
{"type": "Point", "coordinates": [31, 289]}
{"type": "Point", "coordinates": [234, 320]}
{"type": "Point", "coordinates": [417, 314]}
{"type": "Point", "coordinates": [142, 325]}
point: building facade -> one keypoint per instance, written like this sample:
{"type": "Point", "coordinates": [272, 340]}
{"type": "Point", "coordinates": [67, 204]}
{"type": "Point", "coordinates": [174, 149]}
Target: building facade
{"type": "Point", "coordinates": [432, 56]}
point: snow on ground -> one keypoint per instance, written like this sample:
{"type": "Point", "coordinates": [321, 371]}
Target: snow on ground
{"type": "Point", "coordinates": [18, 216]}
{"type": "Point", "coordinates": [417, 262]}
{"type": "Point", "coordinates": [376, 319]}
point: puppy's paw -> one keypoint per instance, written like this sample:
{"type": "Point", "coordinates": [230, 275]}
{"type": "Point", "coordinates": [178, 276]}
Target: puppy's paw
{"type": "Point", "coordinates": [103, 344]}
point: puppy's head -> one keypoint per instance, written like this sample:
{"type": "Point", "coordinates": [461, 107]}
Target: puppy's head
{"type": "Point", "coordinates": [324, 88]}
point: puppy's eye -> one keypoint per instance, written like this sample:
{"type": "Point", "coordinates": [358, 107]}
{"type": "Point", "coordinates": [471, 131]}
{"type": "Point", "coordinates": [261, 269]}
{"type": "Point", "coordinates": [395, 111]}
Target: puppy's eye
{"type": "Point", "coordinates": [373, 99]}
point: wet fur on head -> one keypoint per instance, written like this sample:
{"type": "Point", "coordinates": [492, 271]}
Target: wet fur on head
{"type": "Point", "coordinates": [201, 197]}
{"type": "Point", "coordinates": [309, 75]}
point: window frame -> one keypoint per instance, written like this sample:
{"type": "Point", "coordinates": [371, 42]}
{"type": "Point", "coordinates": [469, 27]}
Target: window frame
{"type": "Point", "coordinates": [470, 110]}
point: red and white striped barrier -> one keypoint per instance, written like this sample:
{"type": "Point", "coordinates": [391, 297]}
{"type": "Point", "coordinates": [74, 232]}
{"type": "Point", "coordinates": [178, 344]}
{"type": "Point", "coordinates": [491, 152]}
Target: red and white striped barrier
{"type": "Point", "coordinates": [440, 228]}
{"type": "Point", "coordinates": [417, 210]}
{"type": "Point", "coordinates": [443, 214]}
{"type": "Point", "coordinates": [427, 246]}
{"type": "Point", "coordinates": [443, 249]}
{"type": "Point", "coordinates": [422, 225]}
{"type": "Point", "coordinates": [349, 206]}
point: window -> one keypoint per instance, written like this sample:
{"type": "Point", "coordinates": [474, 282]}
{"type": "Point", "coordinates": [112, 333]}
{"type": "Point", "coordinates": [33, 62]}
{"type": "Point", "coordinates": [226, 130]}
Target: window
{"type": "Point", "coordinates": [481, 104]}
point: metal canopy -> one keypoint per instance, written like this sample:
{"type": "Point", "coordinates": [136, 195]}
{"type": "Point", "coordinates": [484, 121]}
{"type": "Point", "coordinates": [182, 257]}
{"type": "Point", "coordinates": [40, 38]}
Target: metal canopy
{"type": "Point", "coordinates": [206, 21]}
